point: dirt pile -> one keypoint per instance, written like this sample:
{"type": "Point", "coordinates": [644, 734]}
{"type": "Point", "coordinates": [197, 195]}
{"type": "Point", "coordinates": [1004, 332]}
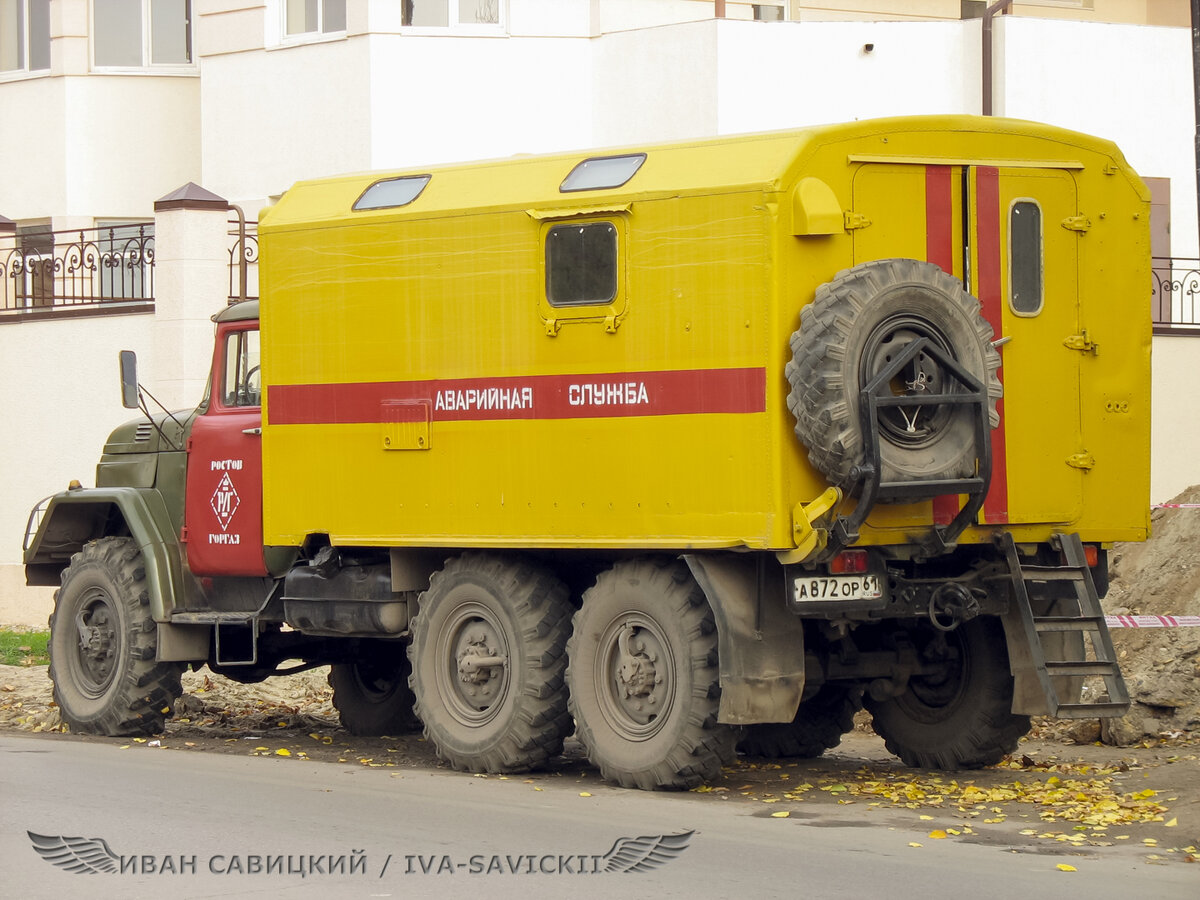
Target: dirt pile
{"type": "Point", "coordinates": [1161, 665]}
{"type": "Point", "coordinates": [210, 703]}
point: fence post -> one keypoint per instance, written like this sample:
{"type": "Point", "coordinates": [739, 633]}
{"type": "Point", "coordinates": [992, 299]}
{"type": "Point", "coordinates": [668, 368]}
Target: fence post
{"type": "Point", "coordinates": [190, 276]}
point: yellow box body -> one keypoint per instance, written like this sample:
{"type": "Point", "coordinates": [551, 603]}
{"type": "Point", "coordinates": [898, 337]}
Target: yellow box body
{"type": "Point", "coordinates": [422, 392]}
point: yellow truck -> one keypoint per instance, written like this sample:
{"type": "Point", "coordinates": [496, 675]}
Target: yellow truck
{"type": "Point", "coordinates": [681, 447]}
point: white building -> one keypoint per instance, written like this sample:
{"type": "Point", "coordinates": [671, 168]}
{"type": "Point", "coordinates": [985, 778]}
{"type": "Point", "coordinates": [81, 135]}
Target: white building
{"type": "Point", "coordinates": [120, 102]}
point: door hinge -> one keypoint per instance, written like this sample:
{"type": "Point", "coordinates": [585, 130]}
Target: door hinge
{"type": "Point", "coordinates": [1077, 223]}
{"type": "Point", "coordinates": [855, 220]}
{"type": "Point", "coordinates": [1082, 343]}
{"type": "Point", "coordinates": [183, 535]}
{"type": "Point", "coordinates": [1083, 461]}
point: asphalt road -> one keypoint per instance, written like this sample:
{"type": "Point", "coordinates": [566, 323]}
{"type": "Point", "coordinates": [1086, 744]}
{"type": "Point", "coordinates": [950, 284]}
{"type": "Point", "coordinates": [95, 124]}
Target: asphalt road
{"type": "Point", "coordinates": [208, 825]}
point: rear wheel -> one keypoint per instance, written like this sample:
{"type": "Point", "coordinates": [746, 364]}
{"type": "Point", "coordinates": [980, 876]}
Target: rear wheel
{"type": "Point", "coordinates": [820, 722]}
{"type": "Point", "coordinates": [488, 659]}
{"type": "Point", "coordinates": [644, 680]}
{"type": "Point", "coordinates": [959, 715]}
{"type": "Point", "coordinates": [372, 695]}
{"type": "Point", "coordinates": [103, 644]}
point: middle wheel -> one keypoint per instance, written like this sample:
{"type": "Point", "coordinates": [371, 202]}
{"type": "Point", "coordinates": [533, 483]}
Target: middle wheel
{"type": "Point", "coordinates": [644, 679]}
{"type": "Point", "coordinates": [488, 657]}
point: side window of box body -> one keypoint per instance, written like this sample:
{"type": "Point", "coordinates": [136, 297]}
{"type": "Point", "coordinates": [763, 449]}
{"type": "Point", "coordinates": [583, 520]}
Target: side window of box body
{"type": "Point", "coordinates": [1026, 258]}
{"type": "Point", "coordinates": [584, 262]}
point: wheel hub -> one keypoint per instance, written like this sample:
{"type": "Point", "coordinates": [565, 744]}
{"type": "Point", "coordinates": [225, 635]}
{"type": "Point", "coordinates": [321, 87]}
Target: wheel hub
{"type": "Point", "coordinates": [474, 675]}
{"type": "Point", "coordinates": [478, 661]}
{"type": "Point", "coordinates": [96, 627]}
{"type": "Point", "coordinates": [912, 426]}
{"type": "Point", "coordinates": [636, 671]}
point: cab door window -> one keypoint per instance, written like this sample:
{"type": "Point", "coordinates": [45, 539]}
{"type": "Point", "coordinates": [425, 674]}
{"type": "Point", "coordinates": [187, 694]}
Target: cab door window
{"type": "Point", "coordinates": [242, 377]}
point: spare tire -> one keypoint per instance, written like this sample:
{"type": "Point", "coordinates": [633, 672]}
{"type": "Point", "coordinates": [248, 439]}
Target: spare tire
{"type": "Point", "coordinates": [854, 327]}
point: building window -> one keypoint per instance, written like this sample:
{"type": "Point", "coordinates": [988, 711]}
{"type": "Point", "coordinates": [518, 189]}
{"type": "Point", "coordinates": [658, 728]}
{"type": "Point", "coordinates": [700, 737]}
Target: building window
{"type": "Point", "coordinates": [581, 264]}
{"type": "Point", "coordinates": [123, 259]}
{"type": "Point", "coordinates": [444, 13]}
{"type": "Point", "coordinates": [34, 279]}
{"type": "Point", "coordinates": [133, 34]}
{"type": "Point", "coordinates": [24, 35]}
{"type": "Point", "coordinates": [765, 12]}
{"type": "Point", "coordinates": [314, 17]}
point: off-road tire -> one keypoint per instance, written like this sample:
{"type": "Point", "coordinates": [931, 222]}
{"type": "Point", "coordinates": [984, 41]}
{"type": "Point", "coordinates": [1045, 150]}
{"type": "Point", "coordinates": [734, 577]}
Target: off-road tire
{"type": "Point", "coordinates": [660, 614]}
{"type": "Point", "coordinates": [112, 685]}
{"type": "Point", "coordinates": [854, 326]}
{"type": "Point", "coordinates": [962, 720]}
{"type": "Point", "coordinates": [820, 722]}
{"type": "Point", "coordinates": [372, 695]}
{"type": "Point", "coordinates": [492, 606]}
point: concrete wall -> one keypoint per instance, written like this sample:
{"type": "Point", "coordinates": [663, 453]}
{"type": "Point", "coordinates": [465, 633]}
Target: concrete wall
{"type": "Point", "coordinates": [101, 146]}
{"type": "Point", "coordinates": [1175, 417]}
{"type": "Point", "coordinates": [61, 399]}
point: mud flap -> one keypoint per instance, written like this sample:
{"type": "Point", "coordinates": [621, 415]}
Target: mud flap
{"type": "Point", "coordinates": [760, 644]}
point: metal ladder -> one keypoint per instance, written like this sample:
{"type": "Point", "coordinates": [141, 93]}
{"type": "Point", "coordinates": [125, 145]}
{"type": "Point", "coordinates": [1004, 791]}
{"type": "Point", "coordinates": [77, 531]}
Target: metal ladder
{"type": "Point", "coordinates": [1086, 619]}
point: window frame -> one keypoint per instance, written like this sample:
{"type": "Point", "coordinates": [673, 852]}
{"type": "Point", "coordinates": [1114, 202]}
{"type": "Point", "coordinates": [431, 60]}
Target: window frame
{"type": "Point", "coordinates": [317, 36]}
{"type": "Point", "coordinates": [25, 70]}
{"type": "Point", "coordinates": [147, 66]}
{"type": "Point", "coordinates": [611, 312]}
{"type": "Point", "coordinates": [1041, 258]}
{"type": "Point", "coordinates": [233, 353]}
{"type": "Point", "coordinates": [499, 27]}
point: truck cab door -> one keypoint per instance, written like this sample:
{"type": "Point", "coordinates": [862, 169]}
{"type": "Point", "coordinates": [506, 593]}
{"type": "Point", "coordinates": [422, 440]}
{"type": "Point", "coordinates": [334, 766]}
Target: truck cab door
{"type": "Point", "coordinates": [1005, 233]}
{"type": "Point", "coordinates": [223, 503]}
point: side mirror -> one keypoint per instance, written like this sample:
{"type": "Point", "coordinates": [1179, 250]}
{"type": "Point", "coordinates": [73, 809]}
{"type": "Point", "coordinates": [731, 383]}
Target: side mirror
{"type": "Point", "coordinates": [129, 382]}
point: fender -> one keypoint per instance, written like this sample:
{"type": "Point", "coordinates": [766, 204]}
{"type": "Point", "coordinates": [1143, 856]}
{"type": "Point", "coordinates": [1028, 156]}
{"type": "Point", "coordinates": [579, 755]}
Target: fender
{"type": "Point", "coordinates": [760, 645]}
{"type": "Point", "coordinates": [75, 517]}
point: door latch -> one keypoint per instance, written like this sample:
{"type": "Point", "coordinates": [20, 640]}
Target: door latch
{"type": "Point", "coordinates": [855, 220]}
{"type": "Point", "coordinates": [1083, 461]}
{"type": "Point", "coordinates": [1081, 342]}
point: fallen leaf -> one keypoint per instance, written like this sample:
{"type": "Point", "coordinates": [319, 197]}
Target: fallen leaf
{"type": "Point", "coordinates": [782, 814]}
{"type": "Point", "coordinates": [1063, 867]}
{"type": "Point", "coordinates": [584, 794]}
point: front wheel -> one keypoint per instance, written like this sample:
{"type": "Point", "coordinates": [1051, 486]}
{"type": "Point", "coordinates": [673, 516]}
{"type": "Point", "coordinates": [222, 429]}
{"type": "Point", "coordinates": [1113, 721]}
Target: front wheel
{"type": "Point", "coordinates": [959, 714]}
{"type": "Point", "coordinates": [488, 656]}
{"type": "Point", "coordinates": [644, 680]}
{"type": "Point", "coordinates": [103, 644]}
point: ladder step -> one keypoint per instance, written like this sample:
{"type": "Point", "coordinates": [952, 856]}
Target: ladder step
{"type": "Point", "coordinates": [212, 618]}
{"type": "Point", "coordinates": [1048, 573]}
{"type": "Point", "coordinates": [1081, 668]}
{"type": "Point", "coordinates": [1090, 710]}
{"type": "Point", "coordinates": [1067, 623]}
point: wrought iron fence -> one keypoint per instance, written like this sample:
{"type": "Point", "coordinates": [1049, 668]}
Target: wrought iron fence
{"type": "Point", "coordinates": [88, 271]}
{"type": "Point", "coordinates": [243, 279]}
{"type": "Point", "coordinates": [1175, 295]}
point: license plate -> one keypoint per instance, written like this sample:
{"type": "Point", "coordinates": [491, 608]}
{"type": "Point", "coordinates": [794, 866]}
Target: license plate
{"type": "Point", "coordinates": [837, 587]}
